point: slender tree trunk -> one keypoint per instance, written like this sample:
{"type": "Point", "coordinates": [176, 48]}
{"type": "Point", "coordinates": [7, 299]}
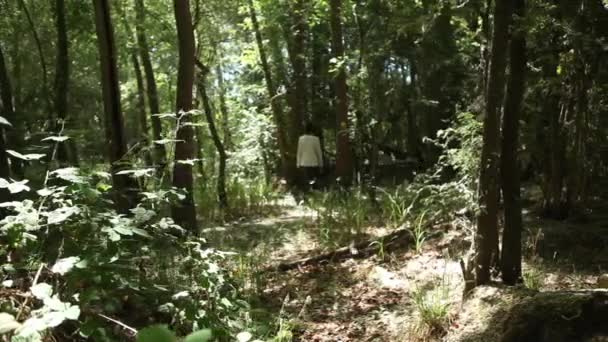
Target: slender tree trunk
{"type": "Point", "coordinates": [5, 195]}
{"type": "Point", "coordinates": [124, 187]}
{"type": "Point", "coordinates": [486, 240]}
{"type": "Point", "coordinates": [43, 65]}
{"type": "Point", "coordinates": [62, 79]}
{"type": "Point", "coordinates": [143, 130]}
{"type": "Point", "coordinates": [141, 109]}
{"type": "Point", "coordinates": [297, 57]}
{"type": "Point", "coordinates": [344, 158]}
{"type": "Point", "coordinates": [223, 106]}
{"type": "Point", "coordinates": [184, 212]}
{"type": "Point", "coordinates": [413, 139]}
{"type": "Point", "coordinates": [511, 238]}
{"type": "Point", "coordinates": [288, 169]}
{"type": "Point", "coordinates": [8, 113]}
{"type": "Point", "coordinates": [217, 141]}
{"type": "Point", "coordinates": [160, 154]}
{"type": "Point", "coordinates": [13, 136]}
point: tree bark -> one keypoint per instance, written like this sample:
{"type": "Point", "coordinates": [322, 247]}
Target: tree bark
{"type": "Point", "coordinates": [43, 66]}
{"type": "Point", "coordinates": [486, 239]}
{"type": "Point", "coordinates": [297, 57]}
{"type": "Point", "coordinates": [511, 238]}
{"type": "Point", "coordinates": [124, 187]}
{"type": "Point", "coordinates": [160, 154]}
{"type": "Point", "coordinates": [62, 79]}
{"type": "Point", "coordinates": [141, 109]}
{"type": "Point", "coordinates": [217, 141]}
{"type": "Point", "coordinates": [288, 170]}
{"type": "Point", "coordinates": [184, 212]}
{"type": "Point", "coordinates": [8, 113]}
{"type": "Point", "coordinates": [223, 106]}
{"type": "Point", "coordinates": [344, 158]}
{"type": "Point", "coordinates": [413, 139]}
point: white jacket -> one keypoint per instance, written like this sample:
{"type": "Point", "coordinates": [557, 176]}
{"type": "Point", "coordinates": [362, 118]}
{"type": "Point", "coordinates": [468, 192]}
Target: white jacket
{"type": "Point", "coordinates": [309, 152]}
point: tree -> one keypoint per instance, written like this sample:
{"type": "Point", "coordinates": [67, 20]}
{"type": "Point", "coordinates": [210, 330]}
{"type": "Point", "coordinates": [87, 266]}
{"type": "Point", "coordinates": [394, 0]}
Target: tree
{"type": "Point", "coordinates": [124, 187]}
{"type": "Point", "coordinates": [184, 212]}
{"type": "Point", "coordinates": [486, 239]}
{"type": "Point", "coordinates": [509, 165]}
{"type": "Point", "coordinates": [222, 195]}
{"type": "Point", "coordinates": [62, 79]}
{"type": "Point", "coordinates": [287, 164]}
{"type": "Point", "coordinates": [344, 159]}
{"type": "Point", "coordinates": [7, 113]}
{"type": "Point", "coordinates": [151, 88]}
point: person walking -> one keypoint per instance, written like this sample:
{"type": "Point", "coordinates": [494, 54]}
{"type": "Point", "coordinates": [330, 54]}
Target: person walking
{"type": "Point", "coordinates": [309, 158]}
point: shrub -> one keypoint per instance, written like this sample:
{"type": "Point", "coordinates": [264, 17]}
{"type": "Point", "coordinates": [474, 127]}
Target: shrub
{"type": "Point", "coordinates": [141, 267]}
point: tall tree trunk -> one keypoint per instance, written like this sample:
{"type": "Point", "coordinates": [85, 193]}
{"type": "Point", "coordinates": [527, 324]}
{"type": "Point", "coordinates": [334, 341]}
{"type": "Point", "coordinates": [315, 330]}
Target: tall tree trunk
{"type": "Point", "coordinates": [124, 187]}
{"type": "Point", "coordinates": [288, 170]}
{"type": "Point", "coordinates": [297, 57]}
{"type": "Point", "coordinates": [344, 158]}
{"type": "Point", "coordinates": [8, 113]}
{"type": "Point", "coordinates": [223, 106]}
{"type": "Point", "coordinates": [217, 141]}
{"type": "Point", "coordinates": [184, 212]}
{"type": "Point", "coordinates": [413, 139]}
{"type": "Point", "coordinates": [486, 239]}
{"type": "Point", "coordinates": [5, 195]}
{"type": "Point", "coordinates": [141, 109]}
{"type": "Point", "coordinates": [62, 79]}
{"type": "Point", "coordinates": [509, 169]}
{"type": "Point", "coordinates": [43, 65]}
{"type": "Point", "coordinates": [13, 136]}
{"type": "Point", "coordinates": [160, 154]}
{"type": "Point", "coordinates": [142, 128]}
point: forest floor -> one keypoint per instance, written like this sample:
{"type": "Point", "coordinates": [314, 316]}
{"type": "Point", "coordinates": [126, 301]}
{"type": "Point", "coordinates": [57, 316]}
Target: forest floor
{"type": "Point", "coordinates": [377, 297]}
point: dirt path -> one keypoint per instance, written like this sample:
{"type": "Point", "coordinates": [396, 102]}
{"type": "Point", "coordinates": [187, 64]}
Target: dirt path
{"type": "Point", "coordinates": [373, 299]}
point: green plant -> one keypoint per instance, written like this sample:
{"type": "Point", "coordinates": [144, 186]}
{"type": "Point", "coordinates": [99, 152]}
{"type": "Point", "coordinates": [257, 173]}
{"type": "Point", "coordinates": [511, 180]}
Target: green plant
{"type": "Point", "coordinates": [419, 233]}
{"type": "Point", "coordinates": [160, 333]}
{"type": "Point", "coordinates": [533, 278]}
{"type": "Point", "coordinates": [111, 264]}
{"type": "Point", "coordinates": [432, 310]}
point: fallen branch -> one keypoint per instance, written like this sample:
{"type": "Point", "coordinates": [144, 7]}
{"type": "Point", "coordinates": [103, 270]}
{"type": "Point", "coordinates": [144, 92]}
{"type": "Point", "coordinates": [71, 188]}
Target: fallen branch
{"type": "Point", "coordinates": [364, 249]}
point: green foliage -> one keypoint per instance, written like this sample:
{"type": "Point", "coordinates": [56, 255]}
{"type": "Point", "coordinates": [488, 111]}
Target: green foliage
{"type": "Point", "coordinates": [461, 145]}
{"type": "Point", "coordinates": [161, 333]}
{"type": "Point", "coordinates": [432, 311]}
{"type": "Point", "coordinates": [341, 215]}
{"type": "Point", "coordinates": [419, 233]}
{"type": "Point", "coordinates": [533, 277]}
{"type": "Point", "coordinates": [116, 264]}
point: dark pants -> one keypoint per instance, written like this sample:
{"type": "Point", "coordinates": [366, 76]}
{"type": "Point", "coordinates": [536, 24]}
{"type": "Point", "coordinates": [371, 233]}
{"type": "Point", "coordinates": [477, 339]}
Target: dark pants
{"type": "Point", "coordinates": [309, 178]}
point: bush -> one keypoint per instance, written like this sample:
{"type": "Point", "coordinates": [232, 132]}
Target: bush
{"type": "Point", "coordinates": [139, 268]}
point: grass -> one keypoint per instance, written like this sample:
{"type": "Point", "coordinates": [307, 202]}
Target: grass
{"type": "Point", "coordinates": [432, 309]}
{"type": "Point", "coordinates": [533, 278]}
{"type": "Point", "coordinates": [419, 233]}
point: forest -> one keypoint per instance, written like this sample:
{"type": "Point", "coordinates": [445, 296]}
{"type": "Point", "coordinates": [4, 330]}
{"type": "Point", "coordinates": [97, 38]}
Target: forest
{"type": "Point", "coordinates": [304, 170]}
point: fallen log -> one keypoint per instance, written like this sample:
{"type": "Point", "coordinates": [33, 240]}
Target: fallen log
{"type": "Point", "coordinates": [361, 250]}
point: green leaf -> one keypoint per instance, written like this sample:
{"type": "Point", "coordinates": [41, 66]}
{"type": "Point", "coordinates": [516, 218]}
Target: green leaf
{"type": "Point", "coordinates": [17, 187]}
{"type": "Point", "coordinates": [31, 156]}
{"type": "Point", "coordinates": [8, 323]}
{"type": "Point", "coordinates": [65, 265]}
{"type": "Point", "coordinates": [61, 214]}
{"type": "Point", "coordinates": [56, 138]}
{"type": "Point", "coordinates": [199, 336]}
{"type": "Point", "coordinates": [5, 122]}
{"type": "Point", "coordinates": [156, 333]}
{"type": "Point", "coordinates": [69, 174]}
{"type": "Point", "coordinates": [42, 290]}
{"type": "Point", "coordinates": [244, 336]}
